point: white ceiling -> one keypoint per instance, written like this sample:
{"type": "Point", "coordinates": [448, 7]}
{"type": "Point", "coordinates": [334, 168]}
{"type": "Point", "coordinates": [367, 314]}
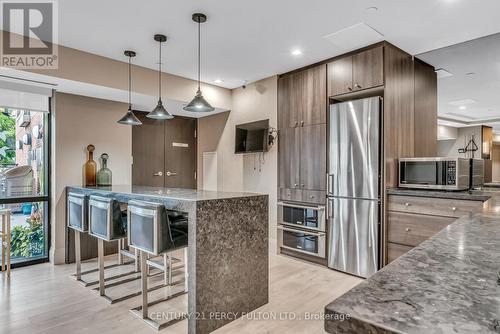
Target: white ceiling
{"type": "Point", "coordinates": [482, 88]}
{"type": "Point", "coordinates": [251, 40]}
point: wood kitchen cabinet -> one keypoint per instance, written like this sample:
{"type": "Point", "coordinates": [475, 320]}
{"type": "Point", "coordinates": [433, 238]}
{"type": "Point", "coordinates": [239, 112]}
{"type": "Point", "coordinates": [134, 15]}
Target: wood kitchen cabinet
{"type": "Point", "coordinates": [360, 71]}
{"type": "Point", "coordinates": [313, 157]}
{"type": "Point", "coordinates": [289, 158]}
{"type": "Point", "coordinates": [412, 220]}
{"type": "Point", "coordinates": [302, 98]}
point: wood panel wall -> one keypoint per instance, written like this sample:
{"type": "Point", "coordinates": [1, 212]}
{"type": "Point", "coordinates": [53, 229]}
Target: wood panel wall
{"type": "Point", "coordinates": [425, 109]}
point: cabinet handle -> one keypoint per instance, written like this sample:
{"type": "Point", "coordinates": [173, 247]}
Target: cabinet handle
{"type": "Point", "coordinates": [312, 196]}
{"type": "Point", "coordinates": [407, 204]}
{"type": "Point", "coordinates": [301, 123]}
{"type": "Point", "coordinates": [454, 208]}
{"type": "Point", "coordinates": [357, 86]}
{"type": "Point", "coordinates": [349, 88]}
{"type": "Point", "coordinates": [408, 229]}
{"type": "Point", "coordinates": [160, 173]}
{"type": "Point", "coordinates": [302, 185]}
{"type": "Point", "coordinates": [295, 185]}
{"type": "Point", "coordinates": [296, 123]}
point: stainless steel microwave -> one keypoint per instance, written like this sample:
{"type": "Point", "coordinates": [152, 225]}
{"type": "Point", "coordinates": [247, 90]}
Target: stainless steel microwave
{"type": "Point", "coordinates": [434, 173]}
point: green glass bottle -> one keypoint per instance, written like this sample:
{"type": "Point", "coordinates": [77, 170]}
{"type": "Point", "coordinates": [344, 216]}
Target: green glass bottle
{"type": "Point", "coordinates": [104, 176]}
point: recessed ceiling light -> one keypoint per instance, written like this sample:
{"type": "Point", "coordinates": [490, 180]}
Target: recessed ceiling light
{"type": "Point", "coordinates": [470, 73]}
{"type": "Point", "coordinates": [371, 9]}
{"type": "Point", "coordinates": [462, 107]}
{"type": "Point", "coordinates": [296, 52]}
{"type": "Point", "coordinates": [218, 81]}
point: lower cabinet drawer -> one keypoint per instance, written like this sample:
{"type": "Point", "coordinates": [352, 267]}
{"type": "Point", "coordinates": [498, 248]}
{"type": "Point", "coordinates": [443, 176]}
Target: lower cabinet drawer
{"type": "Point", "coordinates": [394, 251]}
{"type": "Point", "coordinates": [302, 196]}
{"type": "Point", "coordinates": [412, 229]}
{"type": "Point", "coordinates": [287, 194]}
{"type": "Point", "coordinates": [433, 206]}
{"type": "Point", "coordinates": [314, 197]}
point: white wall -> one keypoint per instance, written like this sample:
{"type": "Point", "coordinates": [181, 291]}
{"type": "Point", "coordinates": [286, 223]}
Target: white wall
{"type": "Point", "coordinates": [77, 122]}
{"type": "Point", "coordinates": [235, 171]}
{"type": "Point", "coordinates": [449, 148]}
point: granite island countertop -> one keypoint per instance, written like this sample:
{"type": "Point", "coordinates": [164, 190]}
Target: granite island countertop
{"type": "Point", "coordinates": [447, 284]}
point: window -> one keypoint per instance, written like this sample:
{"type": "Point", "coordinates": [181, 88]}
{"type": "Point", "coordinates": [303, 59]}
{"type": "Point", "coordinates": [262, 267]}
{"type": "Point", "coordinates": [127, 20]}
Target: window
{"type": "Point", "coordinates": [24, 181]}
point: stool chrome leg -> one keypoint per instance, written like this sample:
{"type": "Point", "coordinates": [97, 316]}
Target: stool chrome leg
{"type": "Point", "coordinates": [8, 243]}
{"type": "Point", "coordinates": [142, 311]}
{"type": "Point", "coordinates": [78, 256]}
{"type": "Point", "coordinates": [136, 252]}
{"type": "Point", "coordinates": [120, 257]}
{"type": "Point", "coordinates": [100, 259]}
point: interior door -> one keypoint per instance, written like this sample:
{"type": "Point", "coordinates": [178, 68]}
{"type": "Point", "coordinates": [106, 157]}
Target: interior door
{"type": "Point", "coordinates": [148, 151]}
{"type": "Point", "coordinates": [180, 153]}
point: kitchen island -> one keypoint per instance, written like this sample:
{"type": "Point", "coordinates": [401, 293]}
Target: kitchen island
{"type": "Point", "coordinates": [228, 264]}
{"type": "Point", "coordinates": [447, 284]}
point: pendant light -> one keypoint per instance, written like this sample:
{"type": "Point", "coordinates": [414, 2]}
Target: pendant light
{"type": "Point", "coordinates": [159, 112]}
{"type": "Point", "coordinates": [199, 104]}
{"type": "Point", "coordinates": [130, 118]}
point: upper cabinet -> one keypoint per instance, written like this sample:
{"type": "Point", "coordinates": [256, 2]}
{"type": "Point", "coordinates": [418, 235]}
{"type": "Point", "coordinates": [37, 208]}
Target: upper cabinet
{"type": "Point", "coordinates": [302, 98]}
{"type": "Point", "coordinates": [360, 71]}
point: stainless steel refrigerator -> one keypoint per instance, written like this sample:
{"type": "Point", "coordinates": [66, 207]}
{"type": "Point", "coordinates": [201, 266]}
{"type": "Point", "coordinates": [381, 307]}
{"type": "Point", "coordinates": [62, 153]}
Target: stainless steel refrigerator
{"type": "Point", "coordinates": [354, 186]}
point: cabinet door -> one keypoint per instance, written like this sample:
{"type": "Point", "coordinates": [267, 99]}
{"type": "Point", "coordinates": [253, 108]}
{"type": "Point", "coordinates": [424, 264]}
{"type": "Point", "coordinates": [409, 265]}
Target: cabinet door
{"type": "Point", "coordinates": [289, 157]}
{"type": "Point", "coordinates": [368, 69]}
{"type": "Point", "coordinates": [340, 76]}
{"type": "Point", "coordinates": [285, 102]}
{"type": "Point", "coordinates": [314, 96]}
{"type": "Point", "coordinates": [313, 157]}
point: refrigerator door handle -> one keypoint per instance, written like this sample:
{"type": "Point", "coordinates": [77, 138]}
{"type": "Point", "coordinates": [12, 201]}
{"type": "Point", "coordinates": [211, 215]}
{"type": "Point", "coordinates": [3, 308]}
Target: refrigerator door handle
{"type": "Point", "coordinates": [330, 208]}
{"type": "Point", "coordinates": [330, 183]}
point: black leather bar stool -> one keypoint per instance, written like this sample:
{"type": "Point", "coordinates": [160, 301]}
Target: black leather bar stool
{"type": "Point", "coordinates": [107, 222]}
{"type": "Point", "coordinates": [152, 232]}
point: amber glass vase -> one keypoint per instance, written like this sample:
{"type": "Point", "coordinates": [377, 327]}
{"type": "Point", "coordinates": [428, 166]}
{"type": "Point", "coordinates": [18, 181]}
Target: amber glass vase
{"type": "Point", "coordinates": [90, 168]}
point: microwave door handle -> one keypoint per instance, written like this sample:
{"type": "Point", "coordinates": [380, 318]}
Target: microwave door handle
{"type": "Point", "coordinates": [319, 234]}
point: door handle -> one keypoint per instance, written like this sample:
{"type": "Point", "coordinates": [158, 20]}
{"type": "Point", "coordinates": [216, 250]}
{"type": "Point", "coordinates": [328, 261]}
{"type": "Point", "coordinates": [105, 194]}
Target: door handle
{"type": "Point", "coordinates": [330, 208]}
{"type": "Point", "coordinates": [160, 173]}
{"type": "Point", "coordinates": [169, 173]}
{"type": "Point", "coordinates": [330, 183]}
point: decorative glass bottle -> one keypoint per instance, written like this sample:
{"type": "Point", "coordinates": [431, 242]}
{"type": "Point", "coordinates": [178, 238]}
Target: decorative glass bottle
{"type": "Point", "coordinates": [104, 176]}
{"type": "Point", "coordinates": [90, 168]}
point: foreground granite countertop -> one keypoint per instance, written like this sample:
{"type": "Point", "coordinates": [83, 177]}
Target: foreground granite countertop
{"type": "Point", "coordinates": [448, 284]}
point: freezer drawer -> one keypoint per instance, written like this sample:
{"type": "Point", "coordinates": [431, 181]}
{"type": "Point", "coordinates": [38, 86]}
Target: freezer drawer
{"type": "Point", "coordinates": [354, 236]}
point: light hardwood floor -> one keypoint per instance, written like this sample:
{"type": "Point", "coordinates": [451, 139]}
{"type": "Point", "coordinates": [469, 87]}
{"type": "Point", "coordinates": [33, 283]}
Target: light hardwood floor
{"type": "Point", "coordinates": [44, 299]}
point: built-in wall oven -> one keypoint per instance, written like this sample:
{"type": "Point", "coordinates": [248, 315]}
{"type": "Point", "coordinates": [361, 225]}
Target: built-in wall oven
{"type": "Point", "coordinates": [302, 228]}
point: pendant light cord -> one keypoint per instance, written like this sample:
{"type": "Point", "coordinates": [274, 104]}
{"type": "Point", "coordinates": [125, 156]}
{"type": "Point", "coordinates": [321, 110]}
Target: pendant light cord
{"type": "Point", "coordinates": [199, 54]}
{"type": "Point", "coordinates": [130, 83]}
{"type": "Point", "coordinates": [159, 75]}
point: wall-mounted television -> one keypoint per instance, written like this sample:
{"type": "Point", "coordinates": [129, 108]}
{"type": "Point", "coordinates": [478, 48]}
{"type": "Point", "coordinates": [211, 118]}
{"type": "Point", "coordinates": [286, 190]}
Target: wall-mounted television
{"type": "Point", "coordinates": [252, 137]}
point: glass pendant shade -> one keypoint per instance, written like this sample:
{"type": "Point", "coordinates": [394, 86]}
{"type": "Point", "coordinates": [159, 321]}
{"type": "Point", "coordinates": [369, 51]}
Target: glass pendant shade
{"type": "Point", "coordinates": [199, 104]}
{"type": "Point", "coordinates": [130, 118]}
{"type": "Point", "coordinates": [159, 112]}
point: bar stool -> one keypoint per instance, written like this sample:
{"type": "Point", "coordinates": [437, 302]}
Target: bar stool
{"type": "Point", "coordinates": [77, 220]}
{"type": "Point", "coordinates": [5, 234]}
{"type": "Point", "coordinates": [108, 223]}
{"type": "Point", "coordinates": [151, 231]}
